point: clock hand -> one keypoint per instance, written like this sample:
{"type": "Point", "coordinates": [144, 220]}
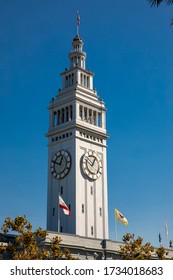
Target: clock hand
{"type": "Point", "coordinates": [61, 160]}
{"type": "Point", "coordinates": [92, 165]}
{"type": "Point", "coordinates": [93, 161]}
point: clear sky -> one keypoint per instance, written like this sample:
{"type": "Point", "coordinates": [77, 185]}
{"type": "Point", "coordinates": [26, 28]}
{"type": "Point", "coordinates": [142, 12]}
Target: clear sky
{"type": "Point", "coordinates": [129, 48]}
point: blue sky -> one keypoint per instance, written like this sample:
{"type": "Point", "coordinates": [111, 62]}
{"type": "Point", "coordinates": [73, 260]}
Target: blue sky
{"type": "Point", "coordinates": [129, 48]}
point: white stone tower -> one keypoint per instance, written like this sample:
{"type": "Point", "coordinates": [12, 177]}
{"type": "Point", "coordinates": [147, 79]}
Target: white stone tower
{"type": "Point", "coordinates": [77, 164]}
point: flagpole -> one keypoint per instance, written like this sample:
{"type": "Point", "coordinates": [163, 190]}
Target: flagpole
{"type": "Point", "coordinates": [167, 241]}
{"type": "Point", "coordinates": [116, 230]}
{"type": "Point", "coordinates": [166, 231]}
{"type": "Point", "coordinates": [58, 214]}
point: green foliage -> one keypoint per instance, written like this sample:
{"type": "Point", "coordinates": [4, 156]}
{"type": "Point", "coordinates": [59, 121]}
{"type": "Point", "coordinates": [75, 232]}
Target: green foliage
{"type": "Point", "coordinates": [133, 249]}
{"type": "Point", "coordinates": [161, 253]}
{"type": "Point", "coordinates": [27, 244]}
{"type": "Point", "coordinates": [55, 251]}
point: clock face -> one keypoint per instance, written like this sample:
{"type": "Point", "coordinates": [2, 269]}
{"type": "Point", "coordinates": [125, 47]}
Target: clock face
{"type": "Point", "coordinates": [60, 164]}
{"type": "Point", "coordinates": [92, 165]}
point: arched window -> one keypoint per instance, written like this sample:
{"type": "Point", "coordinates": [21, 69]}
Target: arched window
{"type": "Point", "coordinates": [66, 81]}
{"type": "Point", "coordinates": [53, 211]}
{"type": "Point", "coordinates": [67, 114]}
{"type": "Point", "coordinates": [80, 112]}
{"type": "Point", "coordinates": [54, 119]}
{"type": "Point", "coordinates": [90, 116]}
{"type": "Point", "coordinates": [94, 118]}
{"type": "Point", "coordinates": [85, 80]}
{"type": "Point", "coordinates": [59, 113]}
{"type": "Point", "coordinates": [61, 191]}
{"type": "Point", "coordinates": [81, 79]}
{"type": "Point", "coordinates": [99, 119]}
{"type": "Point", "coordinates": [85, 114]}
{"type": "Point", "coordinates": [72, 78]}
{"type": "Point", "coordinates": [92, 230]}
{"type": "Point", "coordinates": [91, 190]}
{"type": "Point", "coordinates": [71, 112]}
{"type": "Point", "coordinates": [63, 115]}
{"type": "Point", "coordinates": [88, 82]}
{"type": "Point", "coordinates": [69, 80]}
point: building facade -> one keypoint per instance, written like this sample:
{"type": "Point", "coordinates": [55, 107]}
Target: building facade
{"type": "Point", "coordinates": [77, 161]}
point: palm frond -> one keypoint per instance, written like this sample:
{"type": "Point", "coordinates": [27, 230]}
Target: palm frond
{"type": "Point", "coordinates": [155, 2]}
{"type": "Point", "coordinates": [158, 2]}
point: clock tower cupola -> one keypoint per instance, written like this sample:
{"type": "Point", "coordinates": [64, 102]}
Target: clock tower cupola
{"type": "Point", "coordinates": [77, 56]}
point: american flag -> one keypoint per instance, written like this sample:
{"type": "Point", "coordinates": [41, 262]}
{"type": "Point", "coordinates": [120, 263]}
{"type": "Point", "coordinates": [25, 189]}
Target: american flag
{"type": "Point", "coordinates": [78, 19]}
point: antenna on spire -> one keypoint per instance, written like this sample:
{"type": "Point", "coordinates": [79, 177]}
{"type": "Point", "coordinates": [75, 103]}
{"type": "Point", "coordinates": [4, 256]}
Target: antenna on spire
{"type": "Point", "coordinates": [78, 22]}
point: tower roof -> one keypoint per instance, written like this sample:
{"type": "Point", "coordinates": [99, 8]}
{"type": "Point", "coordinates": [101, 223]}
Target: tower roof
{"type": "Point", "coordinates": [77, 38]}
{"type": "Point", "coordinates": [77, 43]}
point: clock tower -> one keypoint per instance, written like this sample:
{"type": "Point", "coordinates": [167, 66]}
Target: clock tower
{"type": "Point", "coordinates": [77, 163]}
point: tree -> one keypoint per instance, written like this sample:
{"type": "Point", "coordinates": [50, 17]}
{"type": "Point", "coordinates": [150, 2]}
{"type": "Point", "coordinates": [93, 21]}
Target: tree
{"type": "Point", "coordinates": [161, 253]}
{"type": "Point", "coordinates": [134, 249]}
{"type": "Point", "coordinates": [26, 245]}
{"type": "Point", "coordinates": [158, 2]}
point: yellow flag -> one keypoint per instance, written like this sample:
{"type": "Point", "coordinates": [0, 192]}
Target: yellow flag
{"type": "Point", "coordinates": [119, 217]}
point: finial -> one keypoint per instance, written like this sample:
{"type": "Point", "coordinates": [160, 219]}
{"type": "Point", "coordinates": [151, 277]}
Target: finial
{"type": "Point", "coordinates": [78, 22]}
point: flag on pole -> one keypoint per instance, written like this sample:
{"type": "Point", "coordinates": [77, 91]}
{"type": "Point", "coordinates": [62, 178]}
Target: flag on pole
{"type": "Point", "coordinates": [64, 206]}
{"type": "Point", "coordinates": [160, 238]}
{"type": "Point", "coordinates": [78, 19]}
{"type": "Point", "coordinates": [119, 217]}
